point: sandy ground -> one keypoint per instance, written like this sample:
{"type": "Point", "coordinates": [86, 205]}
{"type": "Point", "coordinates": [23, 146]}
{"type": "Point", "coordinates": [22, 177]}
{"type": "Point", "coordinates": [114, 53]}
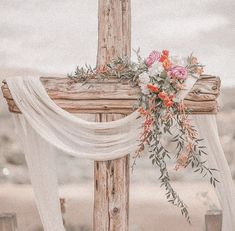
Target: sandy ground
{"type": "Point", "coordinates": [148, 208]}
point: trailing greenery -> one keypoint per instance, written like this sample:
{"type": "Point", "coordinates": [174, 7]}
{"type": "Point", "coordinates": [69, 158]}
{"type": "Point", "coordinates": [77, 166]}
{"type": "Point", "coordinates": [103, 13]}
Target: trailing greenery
{"type": "Point", "coordinates": [160, 78]}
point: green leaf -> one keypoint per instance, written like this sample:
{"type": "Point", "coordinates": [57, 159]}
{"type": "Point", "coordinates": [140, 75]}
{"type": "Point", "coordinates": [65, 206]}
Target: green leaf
{"type": "Point", "coordinates": [176, 100]}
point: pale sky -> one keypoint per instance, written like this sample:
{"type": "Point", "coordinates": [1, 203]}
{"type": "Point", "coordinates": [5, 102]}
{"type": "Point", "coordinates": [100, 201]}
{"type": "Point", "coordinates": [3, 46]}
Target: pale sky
{"type": "Point", "coordinates": [55, 36]}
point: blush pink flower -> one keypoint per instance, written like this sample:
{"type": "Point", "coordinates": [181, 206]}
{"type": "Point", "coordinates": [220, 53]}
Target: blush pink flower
{"type": "Point", "coordinates": [153, 57]}
{"type": "Point", "coordinates": [178, 72]}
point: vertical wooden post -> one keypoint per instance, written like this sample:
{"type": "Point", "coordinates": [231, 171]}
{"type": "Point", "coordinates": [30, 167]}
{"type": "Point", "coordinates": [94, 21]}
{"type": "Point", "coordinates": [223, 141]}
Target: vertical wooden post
{"type": "Point", "coordinates": [213, 220]}
{"type": "Point", "coordinates": [114, 30]}
{"type": "Point", "coordinates": [62, 208]}
{"type": "Point", "coordinates": [111, 199]}
{"type": "Point", "coordinates": [8, 222]}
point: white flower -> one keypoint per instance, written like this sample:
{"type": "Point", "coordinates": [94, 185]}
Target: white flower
{"type": "Point", "coordinates": [155, 69]}
{"type": "Point", "coordinates": [144, 78]}
{"type": "Point", "coordinates": [179, 60]}
{"type": "Point", "coordinates": [143, 82]}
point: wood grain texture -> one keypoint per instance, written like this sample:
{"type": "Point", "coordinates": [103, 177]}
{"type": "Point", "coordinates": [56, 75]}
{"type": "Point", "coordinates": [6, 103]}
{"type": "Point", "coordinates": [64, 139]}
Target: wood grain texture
{"type": "Point", "coordinates": [112, 96]}
{"type": "Point", "coordinates": [111, 194]}
{"type": "Point", "coordinates": [8, 222]}
{"type": "Point", "coordinates": [111, 199]}
{"type": "Point", "coordinates": [114, 30]}
{"type": "Point", "coordinates": [213, 220]}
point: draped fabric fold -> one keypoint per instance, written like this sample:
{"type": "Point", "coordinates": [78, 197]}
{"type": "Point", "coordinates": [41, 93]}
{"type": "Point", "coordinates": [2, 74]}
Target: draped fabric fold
{"type": "Point", "coordinates": [207, 128]}
{"type": "Point", "coordinates": [95, 141]}
{"type": "Point", "coordinates": [43, 128]}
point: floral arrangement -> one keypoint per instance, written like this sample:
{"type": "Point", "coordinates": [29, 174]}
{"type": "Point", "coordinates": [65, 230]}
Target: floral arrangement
{"type": "Point", "coordinates": [160, 78]}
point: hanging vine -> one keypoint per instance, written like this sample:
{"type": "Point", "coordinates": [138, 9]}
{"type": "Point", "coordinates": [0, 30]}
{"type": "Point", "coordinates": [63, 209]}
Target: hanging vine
{"type": "Point", "coordinates": [160, 78]}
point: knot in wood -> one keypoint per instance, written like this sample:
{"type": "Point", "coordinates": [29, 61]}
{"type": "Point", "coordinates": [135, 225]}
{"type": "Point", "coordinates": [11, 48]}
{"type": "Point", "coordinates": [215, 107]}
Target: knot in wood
{"type": "Point", "coordinates": [214, 87]}
{"type": "Point", "coordinates": [197, 91]}
{"type": "Point", "coordinates": [115, 210]}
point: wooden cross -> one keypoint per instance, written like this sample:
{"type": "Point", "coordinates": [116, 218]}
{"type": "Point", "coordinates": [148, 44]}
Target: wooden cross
{"type": "Point", "coordinates": [110, 100]}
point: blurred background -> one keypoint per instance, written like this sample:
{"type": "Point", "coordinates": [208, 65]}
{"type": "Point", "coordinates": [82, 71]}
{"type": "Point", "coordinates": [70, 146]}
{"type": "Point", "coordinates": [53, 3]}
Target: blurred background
{"type": "Point", "coordinates": [52, 38]}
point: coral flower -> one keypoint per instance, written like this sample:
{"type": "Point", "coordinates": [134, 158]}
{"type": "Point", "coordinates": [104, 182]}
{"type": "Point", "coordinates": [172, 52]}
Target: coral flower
{"type": "Point", "coordinates": [162, 95]}
{"type": "Point", "coordinates": [166, 64]}
{"type": "Point", "coordinates": [142, 111]}
{"type": "Point", "coordinates": [168, 103]}
{"type": "Point", "coordinates": [153, 88]}
{"type": "Point", "coordinates": [200, 70]}
{"type": "Point", "coordinates": [164, 56]}
{"type": "Point", "coordinates": [165, 52]}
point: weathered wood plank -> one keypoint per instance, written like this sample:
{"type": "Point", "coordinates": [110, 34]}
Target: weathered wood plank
{"type": "Point", "coordinates": [206, 88]}
{"type": "Point", "coordinates": [111, 203]}
{"type": "Point", "coordinates": [8, 222]}
{"type": "Point", "coordinates": [111, 207]}
{"type": "Point", "coordinates": [63, 208]}
{"type": "Point", "coordinates": [65, 88]}
{"type": "Point", "coordinates": [203, 107]}
{"type": "Point", "coordinates": [111, 96]}
{"type": "Point", "coordinates": [119, 106]}
{"type": "Point", "coordinates": [213, 220]}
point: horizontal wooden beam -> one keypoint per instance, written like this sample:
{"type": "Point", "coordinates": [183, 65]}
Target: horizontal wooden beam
{"type": "Point", "coordinates": [113, 96]}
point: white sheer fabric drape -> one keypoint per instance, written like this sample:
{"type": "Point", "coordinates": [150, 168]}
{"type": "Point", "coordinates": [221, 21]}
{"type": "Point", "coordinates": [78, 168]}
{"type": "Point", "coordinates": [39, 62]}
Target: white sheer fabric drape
{"type": "Point", "coordinates": [207, 128]}
{"type": "Point", "coordinates": [75, 136]}
{"type": "Point", "coordinates": [40, 159]}
{"type": "Point", "coordinates": [44, 128]}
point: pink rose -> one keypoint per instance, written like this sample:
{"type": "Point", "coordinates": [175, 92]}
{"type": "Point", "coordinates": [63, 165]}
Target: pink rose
{"type": "Point", "coordinates": [153, 57]}
{"type": "Point", "coordinates": [178, 72]}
